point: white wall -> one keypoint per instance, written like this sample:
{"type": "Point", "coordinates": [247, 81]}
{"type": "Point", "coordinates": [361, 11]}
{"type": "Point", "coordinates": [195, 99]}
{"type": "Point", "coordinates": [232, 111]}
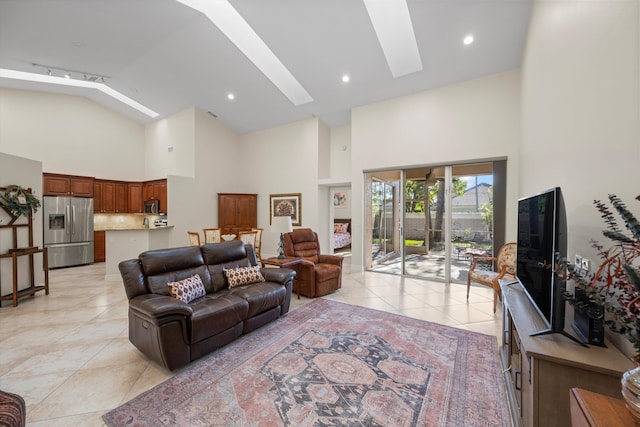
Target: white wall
{"type": "Point", "coordinates": [27, 174]}
{"type": "Point", "coordinates": [324, 151]}
{"type": "Point", "coordinates": [192, 198]}
{"type": "Point", "coordinates": [476, 119]}
{"type": "Point", "coordinates": [581, 109]}
{"type": "Point", "coordinates": [71, 135]}
{"type": "Point", "coordinates": [170, 146]}
{"type": "Point", "coordinates": [283, 160]}
{"type": "Point", "coordinates": [340, 152]}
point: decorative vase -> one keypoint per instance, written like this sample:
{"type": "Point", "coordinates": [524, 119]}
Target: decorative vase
{"type": "Point", "coordinates": [631, 391]}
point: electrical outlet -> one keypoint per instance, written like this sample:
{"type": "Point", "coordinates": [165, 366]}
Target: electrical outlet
{"type": "Point", "coordinates": [585, 265]}
{"type": "Point", "coordinates": [577, 263]}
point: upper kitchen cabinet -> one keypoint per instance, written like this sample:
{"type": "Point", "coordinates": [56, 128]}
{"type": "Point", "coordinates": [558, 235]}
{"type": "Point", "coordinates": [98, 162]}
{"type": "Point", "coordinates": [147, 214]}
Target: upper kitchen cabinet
{"type": "Point", "coordinates": [134, 191]}
{"type": "Point", "coordinates": [122, 197]}
{"type": "Point", "coordinates": [110, 196]}
{"type": "Point", "coordinates": [66, 185]}
{"type": "Point", "coordinates": [104, 196]}
{"type": "Point", "coordinates": [156, 190]}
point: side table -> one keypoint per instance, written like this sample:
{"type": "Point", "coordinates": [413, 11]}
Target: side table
{"type": "Point", "coordinates": [282, 263]}
{"type": "Point", "coordinates": [589, 409]}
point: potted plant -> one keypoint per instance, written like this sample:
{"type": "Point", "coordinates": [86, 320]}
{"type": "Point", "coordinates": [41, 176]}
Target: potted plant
{"type": "Point", "coordinates": [615, 286]}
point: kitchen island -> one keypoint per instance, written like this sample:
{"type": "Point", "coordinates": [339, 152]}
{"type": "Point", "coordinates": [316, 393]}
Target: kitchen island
{"type": "Point", "coordinates": [127, 243]}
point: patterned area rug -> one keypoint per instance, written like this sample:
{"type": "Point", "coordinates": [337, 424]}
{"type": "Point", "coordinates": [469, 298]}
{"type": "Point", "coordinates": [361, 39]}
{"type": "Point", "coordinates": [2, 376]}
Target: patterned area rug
{"type": "Point", "coordinates": [329, 364]}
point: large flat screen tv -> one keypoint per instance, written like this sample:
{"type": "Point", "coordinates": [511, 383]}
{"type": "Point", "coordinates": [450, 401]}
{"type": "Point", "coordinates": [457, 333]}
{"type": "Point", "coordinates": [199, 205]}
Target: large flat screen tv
{"type": "Point", "coordinates": [542, 247]}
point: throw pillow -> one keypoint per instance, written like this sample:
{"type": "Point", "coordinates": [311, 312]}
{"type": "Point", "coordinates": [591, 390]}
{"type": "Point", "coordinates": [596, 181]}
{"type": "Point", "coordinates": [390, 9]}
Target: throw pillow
{"type": "Point", "coordinates": [243, 276]}
{"type": "Point", "coordinates": [340, 227]}
{"type": "Point", "coordinates": [188, 289]}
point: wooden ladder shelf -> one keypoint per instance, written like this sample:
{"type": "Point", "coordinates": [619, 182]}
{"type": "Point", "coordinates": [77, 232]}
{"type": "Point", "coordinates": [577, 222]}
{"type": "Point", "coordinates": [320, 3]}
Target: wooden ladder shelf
{"type": "Point", "coordinates": [29, 251]}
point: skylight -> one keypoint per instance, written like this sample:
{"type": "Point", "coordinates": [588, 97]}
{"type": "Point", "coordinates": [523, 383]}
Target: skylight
{"type": "Point", "coordinates": [229, 21]}
{"type": "Point", "coordinates": [42, 78]}
{"type": "Point", "coordinates": [392, 24]}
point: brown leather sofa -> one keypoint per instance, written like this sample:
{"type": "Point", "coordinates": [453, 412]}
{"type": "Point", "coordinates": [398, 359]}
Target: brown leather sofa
{"type": "Point", "coordinates": [316, 274]}
{"type": "Point", "coordinates": [174, 333]}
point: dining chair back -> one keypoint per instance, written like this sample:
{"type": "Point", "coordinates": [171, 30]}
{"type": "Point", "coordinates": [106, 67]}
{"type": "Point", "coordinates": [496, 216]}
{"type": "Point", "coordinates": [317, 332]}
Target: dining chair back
{"type": "Point", "coordinates": [258, 242]}
{"type": "Point", "coordinates": [194, 238]}
{"type": "Point", "coordinates": [212, 235]}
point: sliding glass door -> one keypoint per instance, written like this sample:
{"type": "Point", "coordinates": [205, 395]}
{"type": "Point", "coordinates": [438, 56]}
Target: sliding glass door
{"type": "Point", "coordinates": [429, 222]}
{"type": "Point", "coordinates": [383, 249]}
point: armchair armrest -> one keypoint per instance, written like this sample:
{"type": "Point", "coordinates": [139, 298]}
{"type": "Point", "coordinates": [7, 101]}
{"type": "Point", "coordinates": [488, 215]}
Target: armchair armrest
{"type": "Point", "coordinates": [305, 270]}
{"type": "Point", "coordinates": [475, 260]}
{"type": "Point", "coordinates": [505, 269]}
{"type": "Point", "coordinates": [157, 307]}
{"type": "Point", "coordinates": [331, 259]}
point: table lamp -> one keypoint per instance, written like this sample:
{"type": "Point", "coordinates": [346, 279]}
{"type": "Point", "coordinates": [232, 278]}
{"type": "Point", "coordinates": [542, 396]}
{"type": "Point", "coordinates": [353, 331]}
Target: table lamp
{"type": "Point", "coordinates": [281, 224]}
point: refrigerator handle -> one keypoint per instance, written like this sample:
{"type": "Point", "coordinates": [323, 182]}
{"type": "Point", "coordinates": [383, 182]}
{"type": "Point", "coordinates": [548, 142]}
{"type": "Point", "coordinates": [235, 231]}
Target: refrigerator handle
{"type": "Point", "coordinates": [67, 227]}
{"type": "Point", "coordinates": [73, 220]}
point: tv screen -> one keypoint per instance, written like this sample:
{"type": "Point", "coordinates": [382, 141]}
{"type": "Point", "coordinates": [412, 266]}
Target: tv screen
{"type": "Point", "coordinates": [542, 241]}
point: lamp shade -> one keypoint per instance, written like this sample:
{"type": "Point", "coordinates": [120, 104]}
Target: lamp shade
{"type": "Point", "coordinates": [281, 224]}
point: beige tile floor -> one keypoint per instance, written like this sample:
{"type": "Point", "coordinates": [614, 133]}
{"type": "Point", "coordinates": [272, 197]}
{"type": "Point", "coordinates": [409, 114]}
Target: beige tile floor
{"type": "Point", "coordinates": [69, 356]}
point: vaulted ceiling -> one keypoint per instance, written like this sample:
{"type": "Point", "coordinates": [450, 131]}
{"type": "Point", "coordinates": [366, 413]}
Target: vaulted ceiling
{"type": "Point", "coordinates": [168, 56]}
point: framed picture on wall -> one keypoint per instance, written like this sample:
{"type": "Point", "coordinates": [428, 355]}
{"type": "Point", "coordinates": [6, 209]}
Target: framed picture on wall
{"type": "Point", "coordinates": [286, 205]}
{"type": "Point", "coordinates": [340, 199]}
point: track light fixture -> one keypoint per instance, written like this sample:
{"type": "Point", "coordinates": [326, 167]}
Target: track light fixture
{"type": "Point", "coordinates": [67, 73]}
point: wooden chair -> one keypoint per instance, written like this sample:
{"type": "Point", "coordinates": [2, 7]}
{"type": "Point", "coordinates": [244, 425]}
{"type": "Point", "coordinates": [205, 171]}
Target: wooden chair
{"type": "Point", "coordinates": [505, 266]}
{"type": "Point", "coordinates": [194, 238]}
{"type": "Point", "coordinates": [258, 244]}
{"type": "Point", "coordinates": [212, 235]}
{"type": "Point", "coordinates": [248, 238]}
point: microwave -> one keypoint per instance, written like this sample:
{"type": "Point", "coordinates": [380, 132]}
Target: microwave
{"type": "Point", "coordinates": [152, 207]}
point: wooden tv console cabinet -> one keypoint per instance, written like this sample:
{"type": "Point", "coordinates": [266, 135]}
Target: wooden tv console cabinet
{"type": "Point", "coordinates": [540, 371]}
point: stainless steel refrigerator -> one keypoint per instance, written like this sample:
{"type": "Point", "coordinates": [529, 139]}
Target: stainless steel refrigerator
{"type": "Point", "coordinates": [68, 230]}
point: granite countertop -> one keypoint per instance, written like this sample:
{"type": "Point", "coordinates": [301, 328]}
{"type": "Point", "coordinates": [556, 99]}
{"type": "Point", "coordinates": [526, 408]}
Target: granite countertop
{"type": "Point", "coordinates": [125, 228]}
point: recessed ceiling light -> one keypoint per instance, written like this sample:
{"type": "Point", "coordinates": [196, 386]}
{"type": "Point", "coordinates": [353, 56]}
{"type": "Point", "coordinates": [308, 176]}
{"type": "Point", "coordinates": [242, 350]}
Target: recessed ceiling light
{"type": "Point", "coordinates": [67, 76]}
{"type": "Point", "coordinates": [41, 78]}
{"type": "Point", "coordinates": [232, 24]}
{"type": "Point", "coordinates": [392, 23]}
{"type": "Point", "coordinates": [231, 96]}
{"type": "Point", "coordinates": [468, 40]}
{"type": "Point", "coordinates": [346, 78]}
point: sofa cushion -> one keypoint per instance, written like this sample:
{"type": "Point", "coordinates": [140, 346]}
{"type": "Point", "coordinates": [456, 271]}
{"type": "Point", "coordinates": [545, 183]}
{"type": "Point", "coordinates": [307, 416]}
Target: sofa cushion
{"type": "Point", "coordinates": [215, 313]}
{"type": "Point", "coordinates": [188, 289]}
{"type": "Point", "coordinates": [158, 283]}
{"type": "Point", "coordinates": [218, 278]}
{"type": "Point", "coordinates": [166, 260]}
{"type": "Point", "coordinates": [243, 276]}
{"type": "Point", "coordinates": [223, 252]}
{"type": "Point", "coordinates": [261, 296]}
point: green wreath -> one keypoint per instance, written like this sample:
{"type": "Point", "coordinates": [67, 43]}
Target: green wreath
{"type": "Point", "coordinates": [18, 202]}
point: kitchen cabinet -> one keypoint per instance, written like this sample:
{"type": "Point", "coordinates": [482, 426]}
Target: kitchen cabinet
{"type": "Point", "coordinates": [135, 202]}
{"type": "Point", "coordinates": [156, 190]}
{"type": "Point", "coordinates": [122, 197]}
{"type": "Point", "coordinates": [99, 246]}
{"type": "Point", "coordinates": [66, 185]}
{"type": "Point", "coordinates": [97, 196]}
{"type": "Point", "coordinates": [104, 196]}
{"type": "Point", "coordinates": [237, 212]}
{"type": "Point", "coordinates": [110, 196]}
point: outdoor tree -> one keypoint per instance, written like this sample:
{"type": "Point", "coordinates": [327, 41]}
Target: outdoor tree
{"type": "Point", "coordinates": [437, 193]}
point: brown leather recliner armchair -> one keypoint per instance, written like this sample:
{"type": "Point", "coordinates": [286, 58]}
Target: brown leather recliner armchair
{"type": "Point", "coordinates": [317, 274]}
